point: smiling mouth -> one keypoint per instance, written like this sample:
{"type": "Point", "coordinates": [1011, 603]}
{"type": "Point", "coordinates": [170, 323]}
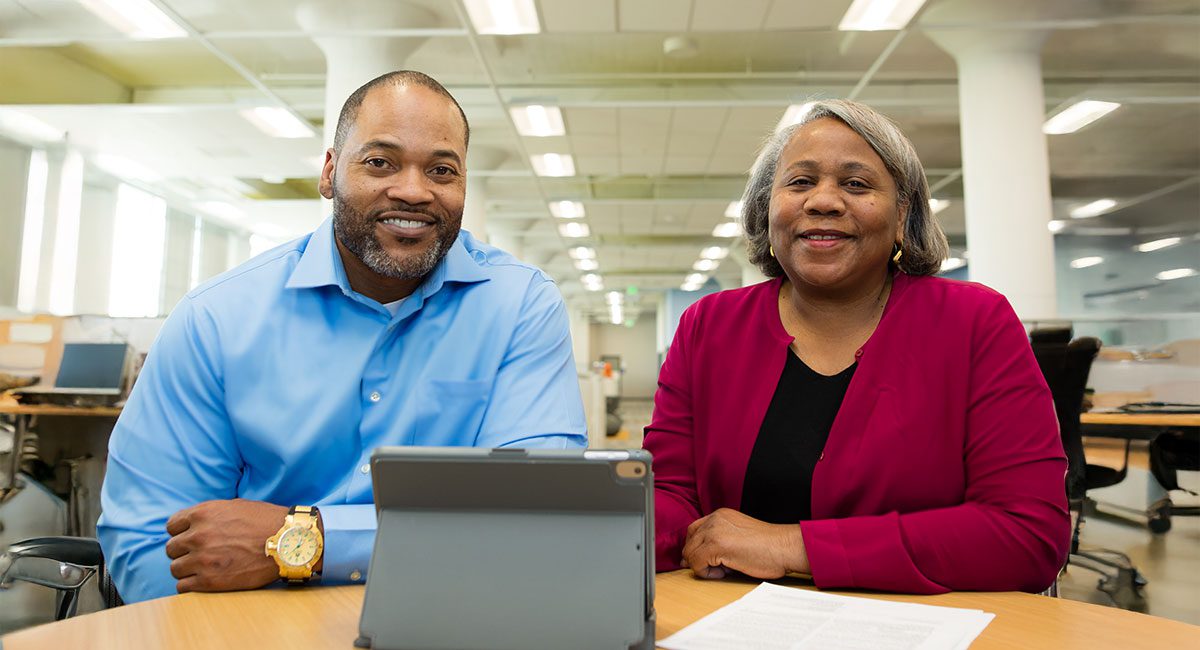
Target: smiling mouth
{"type": "Point", "coordinates": [824, 237]}
{"type": "Point", "coordinates": [407, 224]}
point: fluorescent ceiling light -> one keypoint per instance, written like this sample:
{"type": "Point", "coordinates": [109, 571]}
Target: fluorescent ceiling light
{"type": "Point", "coordinates": [728, 229]}
{"type": "Point", "coordinates": [1175, 274]}
{"type": "Point", "coordinates": [695, 278]}
{"type": "Point", "coordinates": [688, 286]}
{"type": "Point", "coordinates": [876, 15]}
{"type": "Point", "coordinates": [952, 263]}
{"type": "Point", "coordinates": [705, 265]}
{"type": "Point", "coordinates": [1056, 226]}
{"type": "Point", "coordinates": [503, 16]}
{"type": "Point", "coordinates": [573, 229]}
{"type": "Point", "coordinates": [1084, 262]}
{"type": "Point", "coordinates": [567, 209]}
{"type": "Point", "coordinates": [937, 205]}
{"type": "Point", "coordinates": [1093, 209]}
{"type": "Point", "coordinates": [587, 265]}
{"type": "Point", "coordinates": [538, 121]}
{"type": "Point", "coordinates": [614, 298]}
{"type": "Point", "coordinates": [734, 210]}
{"type": "Point", "coordinates": [616, 314]}
{"type": "Point", "coordinates": [125, 168]}
{"type": "Point", "coordinates": [793, 115]}
{"type": "Point", "coordinates": [136, 18]}
{"type": "Point", "coordinates": [1078, 115]}
{"type": "Point", "coordinates": [714, 253]}
{"type": "Point", "coordinates": [278, 122]}
{"type": "Point", "coordinates": [553, 164]}
{"type": "Point", "coordinates": [219, 209]}
{"type": "Point", "coordinates": [582, 253]}
{"type": "Point", "coordinates": [1157, 244]}
{"type": "Point", "coordinates": [24, 126]}
{"type": "Point", "coordinates": [273, 179]}
{"type": "Point", "coordinates": [592, 282]}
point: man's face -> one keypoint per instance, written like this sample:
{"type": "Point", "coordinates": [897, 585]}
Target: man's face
{"type": "Point", "coordinates": [398, 183]}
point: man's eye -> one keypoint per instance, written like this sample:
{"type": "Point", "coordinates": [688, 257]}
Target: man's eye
{"type": "Point", "coordinates": [444, 170]}
{"type": "Point", "coordinates": [378, 163]}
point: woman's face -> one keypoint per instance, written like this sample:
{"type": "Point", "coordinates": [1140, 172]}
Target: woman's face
{"type": "Point", "coordinates": [834, 213]}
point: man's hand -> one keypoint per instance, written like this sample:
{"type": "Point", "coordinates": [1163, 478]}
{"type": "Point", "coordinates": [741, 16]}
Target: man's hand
{"type": "Point", "coordinates": [728, 540]}
{"type": "Point", "coordinates": [218, 545]}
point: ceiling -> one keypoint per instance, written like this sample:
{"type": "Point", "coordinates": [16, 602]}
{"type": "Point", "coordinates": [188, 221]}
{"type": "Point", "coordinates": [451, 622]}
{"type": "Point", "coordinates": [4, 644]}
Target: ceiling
{"type": "Point", "coordinates": [661, 142]}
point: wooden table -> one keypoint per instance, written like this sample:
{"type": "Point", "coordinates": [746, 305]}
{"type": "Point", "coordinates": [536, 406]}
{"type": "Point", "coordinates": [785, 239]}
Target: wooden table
{"type": "Point", "coordinates": [1135, 425]}
{"type": "Point", "coordinates": [327, 617]}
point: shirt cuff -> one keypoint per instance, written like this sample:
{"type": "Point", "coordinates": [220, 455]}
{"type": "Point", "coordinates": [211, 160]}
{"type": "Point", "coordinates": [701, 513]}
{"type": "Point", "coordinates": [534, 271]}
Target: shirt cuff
{"type": "Point", "coordinates": [349, 538]}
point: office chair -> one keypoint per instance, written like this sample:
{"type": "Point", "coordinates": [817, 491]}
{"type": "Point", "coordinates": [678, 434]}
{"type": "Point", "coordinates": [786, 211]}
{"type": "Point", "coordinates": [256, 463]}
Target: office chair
{"type": "Point", "coordinates": [1066, 366]}
{"type": "Point", "coordinates": [64, 564]}
{"type": "Point", "coordinates": [1169, 452]}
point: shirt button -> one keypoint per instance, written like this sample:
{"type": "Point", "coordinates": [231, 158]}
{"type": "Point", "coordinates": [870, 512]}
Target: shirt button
{"type": "Point", "coordinates": [375, 396]}
{"type": "Point", "coordinates": [365, 469]}
{"type": "Point", "coordinates": [355, 576]}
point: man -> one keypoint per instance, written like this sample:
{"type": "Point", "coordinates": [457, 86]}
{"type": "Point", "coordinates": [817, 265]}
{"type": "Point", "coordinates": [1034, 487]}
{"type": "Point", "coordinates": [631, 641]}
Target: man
{"type": "Point", "coordinates": [270, 385]}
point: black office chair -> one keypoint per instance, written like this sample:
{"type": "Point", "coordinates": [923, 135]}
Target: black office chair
{"type": "Point", "coordinates": [1169, 452]}
{"type": "Point", "coordinates": [61, 563]}
{"type": "Point", "coordinates": [1066, 365]}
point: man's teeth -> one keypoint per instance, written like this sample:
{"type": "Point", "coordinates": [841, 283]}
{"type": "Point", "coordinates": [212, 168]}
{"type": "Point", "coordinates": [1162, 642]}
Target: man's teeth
{"type": "Point", "coordinates": [405, 223]}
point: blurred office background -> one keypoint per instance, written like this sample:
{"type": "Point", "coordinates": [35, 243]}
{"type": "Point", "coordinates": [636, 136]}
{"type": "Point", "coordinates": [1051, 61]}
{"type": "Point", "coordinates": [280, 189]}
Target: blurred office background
{"type": "Point", "coordinates": [148, 145]}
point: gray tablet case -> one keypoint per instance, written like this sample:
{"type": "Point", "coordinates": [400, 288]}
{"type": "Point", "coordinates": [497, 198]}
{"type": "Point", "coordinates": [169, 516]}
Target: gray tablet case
{"type": "Point", "coordinates": [510, 548]}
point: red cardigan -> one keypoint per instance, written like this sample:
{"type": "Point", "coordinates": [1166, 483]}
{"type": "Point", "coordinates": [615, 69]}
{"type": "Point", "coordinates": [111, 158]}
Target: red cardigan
{"type": "Point", "coordinates": [944, 468]}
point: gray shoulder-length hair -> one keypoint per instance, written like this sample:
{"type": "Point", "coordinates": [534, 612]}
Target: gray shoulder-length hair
{"type": "Point", "coordinates": [925, 244]}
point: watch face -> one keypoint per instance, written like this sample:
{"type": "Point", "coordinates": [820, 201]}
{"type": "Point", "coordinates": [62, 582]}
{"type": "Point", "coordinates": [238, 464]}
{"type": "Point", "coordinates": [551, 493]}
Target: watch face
{"type": "Point", "coordinates": [297, 546]}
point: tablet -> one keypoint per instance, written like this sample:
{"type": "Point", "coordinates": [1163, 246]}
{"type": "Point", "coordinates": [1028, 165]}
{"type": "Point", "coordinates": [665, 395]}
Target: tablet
{"type": "Point", "coordinates": [510, 548]}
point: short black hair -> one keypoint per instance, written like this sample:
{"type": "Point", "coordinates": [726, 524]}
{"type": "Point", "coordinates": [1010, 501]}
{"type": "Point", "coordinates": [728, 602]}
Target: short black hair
{"type": "Point", "coordinates": [396, 78]}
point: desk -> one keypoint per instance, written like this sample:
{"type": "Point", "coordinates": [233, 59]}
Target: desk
{"type": "Point", "coordinates": [327, 617]}
{"type": "Point", "coordinates": [1138, 426]}
{"type": "Point", "coordinates": [26, 412]}
{"type": "Point", "coordinates": [24, 415]}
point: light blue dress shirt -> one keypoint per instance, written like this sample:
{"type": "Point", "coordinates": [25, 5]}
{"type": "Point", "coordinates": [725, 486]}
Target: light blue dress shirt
{"type": "Point", "coordinates": [275, 381]}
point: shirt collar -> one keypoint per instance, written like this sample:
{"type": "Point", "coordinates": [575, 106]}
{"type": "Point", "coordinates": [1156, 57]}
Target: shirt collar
{"type": "Point", "coordinates": [321, 265]}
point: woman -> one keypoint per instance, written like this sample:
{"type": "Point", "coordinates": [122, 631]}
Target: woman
{"type": "Point", "coordinates": [900, 419]}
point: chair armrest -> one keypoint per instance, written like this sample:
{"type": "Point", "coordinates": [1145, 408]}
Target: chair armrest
{"type": "Point", "coordinates": [83, 551]}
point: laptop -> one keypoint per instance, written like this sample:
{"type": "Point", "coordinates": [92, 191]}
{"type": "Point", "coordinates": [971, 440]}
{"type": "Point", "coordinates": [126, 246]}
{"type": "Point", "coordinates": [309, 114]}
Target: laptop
{"type": "Point", "coordinates": [90, 374]}
{"type": "Point", "coordinates": [510, 549]}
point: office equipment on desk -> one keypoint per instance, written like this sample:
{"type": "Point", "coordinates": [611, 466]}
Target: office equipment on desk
{"type": "Point", "coordinates": [510, 548]}
{"type": "Point", "coordinates": [1159, 407]}
{"type": "Point", "coordinates": [90, 374]}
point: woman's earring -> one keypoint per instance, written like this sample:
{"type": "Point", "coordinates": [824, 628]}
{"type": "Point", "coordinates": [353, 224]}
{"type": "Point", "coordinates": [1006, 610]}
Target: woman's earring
{"type": "Point", "coordinates": [771, 250]}
{"type": "Point", "coordinates": [897, 253]}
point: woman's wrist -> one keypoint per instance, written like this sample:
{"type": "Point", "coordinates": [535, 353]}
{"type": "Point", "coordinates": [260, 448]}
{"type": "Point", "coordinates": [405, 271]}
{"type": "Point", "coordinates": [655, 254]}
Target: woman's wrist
{"type": "Point", "coordinates": [795, 552]}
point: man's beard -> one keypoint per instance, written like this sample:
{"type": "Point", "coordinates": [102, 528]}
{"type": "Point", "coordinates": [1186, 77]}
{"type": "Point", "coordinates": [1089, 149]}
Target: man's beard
{"type": "Point", "coordinates": [356, 231]}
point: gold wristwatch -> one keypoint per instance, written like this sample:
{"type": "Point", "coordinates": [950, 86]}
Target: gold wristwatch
{"type": "Point", "coordinates": [297, 547]}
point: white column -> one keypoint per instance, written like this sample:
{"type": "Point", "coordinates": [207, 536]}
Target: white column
{"type": "Point", "coordinates": [1006, 171]}
{"type": "Point", "coordinates": [479, 158]}
{"type": "Point", "coordinates": [351, 61]}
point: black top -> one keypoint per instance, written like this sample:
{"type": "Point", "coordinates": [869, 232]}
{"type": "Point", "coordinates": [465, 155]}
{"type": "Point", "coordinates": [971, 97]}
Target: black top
{"type": "Point", "coordinates": [778, 487]}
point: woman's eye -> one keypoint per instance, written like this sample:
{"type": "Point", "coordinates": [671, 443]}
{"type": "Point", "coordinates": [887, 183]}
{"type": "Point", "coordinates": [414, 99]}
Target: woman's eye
{"type": "Point", "coordinates": [857, 184]}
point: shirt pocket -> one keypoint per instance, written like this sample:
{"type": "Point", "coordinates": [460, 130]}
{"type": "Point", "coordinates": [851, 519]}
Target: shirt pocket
{"type": "Point", "coordinates": [450, 412]}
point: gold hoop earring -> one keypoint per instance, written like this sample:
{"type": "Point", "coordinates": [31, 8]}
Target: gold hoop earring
{"type": "Point", "coordinates": [899, 252]}
{"type": "Point", "coordinates": [771, 250]}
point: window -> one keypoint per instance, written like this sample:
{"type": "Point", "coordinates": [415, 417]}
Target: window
{"type": "Point", "coordinates": [139, 234]}
{"type": "Point", "coordinates": [31, 237]}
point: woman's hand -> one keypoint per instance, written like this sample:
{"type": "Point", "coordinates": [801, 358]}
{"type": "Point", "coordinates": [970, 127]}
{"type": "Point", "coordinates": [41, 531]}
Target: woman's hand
{"type": "Point", "coordinates": [728, 540]}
